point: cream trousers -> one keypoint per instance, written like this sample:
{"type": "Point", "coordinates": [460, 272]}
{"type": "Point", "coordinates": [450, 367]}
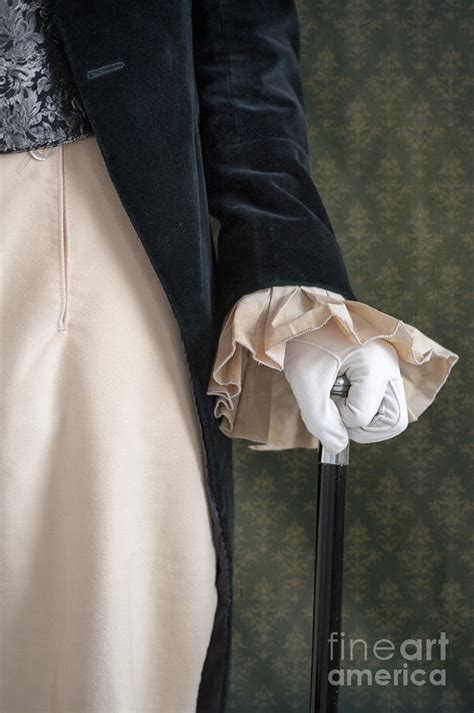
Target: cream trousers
{"type": "Point", "coordinates": [107, 592]}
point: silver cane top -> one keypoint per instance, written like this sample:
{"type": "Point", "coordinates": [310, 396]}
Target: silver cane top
{"type": "Point", "coordinates": [341, 386]}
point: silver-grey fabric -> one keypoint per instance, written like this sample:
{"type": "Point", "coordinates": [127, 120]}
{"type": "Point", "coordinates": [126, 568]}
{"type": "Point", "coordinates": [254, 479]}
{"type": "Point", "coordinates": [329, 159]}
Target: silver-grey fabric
{"type": "Point", "coordinates": [39, 101]}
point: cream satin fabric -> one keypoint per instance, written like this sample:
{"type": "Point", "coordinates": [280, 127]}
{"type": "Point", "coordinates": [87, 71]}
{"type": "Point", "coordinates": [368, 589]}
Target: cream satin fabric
{"type": "Point", "coordinates": [107, 569]}
{"type": "Point", "coordinates": [254, 400]}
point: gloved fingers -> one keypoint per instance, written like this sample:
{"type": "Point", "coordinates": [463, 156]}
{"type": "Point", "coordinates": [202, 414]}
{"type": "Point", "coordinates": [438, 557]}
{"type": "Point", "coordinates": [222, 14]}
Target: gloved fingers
{"type": "Point", "coordinates": [391, 417]}
{"type": "Point", "coordinates": [322, 418]}
{"type": "Point", "coordinates": [368, 370]}
{"type": "Point", "coordinates": [365, 395]}
{"type": "Point", "coordinates": [311, 382]}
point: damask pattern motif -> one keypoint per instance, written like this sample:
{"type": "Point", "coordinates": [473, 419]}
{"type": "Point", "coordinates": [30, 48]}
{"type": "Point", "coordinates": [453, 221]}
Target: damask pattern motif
{"type": "Point", "coordinates": [39, 102]}
{"type": "Point", "coordinates": [389, 101]}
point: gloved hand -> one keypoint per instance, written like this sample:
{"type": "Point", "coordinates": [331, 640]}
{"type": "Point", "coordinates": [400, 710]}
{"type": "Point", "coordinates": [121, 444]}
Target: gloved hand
{"type": "Point", "coordinates": [375, 408]}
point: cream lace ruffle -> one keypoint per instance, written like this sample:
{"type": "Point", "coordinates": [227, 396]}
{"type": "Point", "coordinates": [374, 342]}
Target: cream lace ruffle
{"type": "Point", "coordinates": [253, 398]}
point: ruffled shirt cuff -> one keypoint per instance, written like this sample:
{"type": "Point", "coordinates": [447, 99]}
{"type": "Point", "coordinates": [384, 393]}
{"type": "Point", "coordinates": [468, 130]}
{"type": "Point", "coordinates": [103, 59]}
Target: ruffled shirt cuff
{"type": "Point", "coordinates": [254, 401]}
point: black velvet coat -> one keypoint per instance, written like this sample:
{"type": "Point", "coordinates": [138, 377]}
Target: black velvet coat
{"type": "Point", "coordinates": [197, 106]}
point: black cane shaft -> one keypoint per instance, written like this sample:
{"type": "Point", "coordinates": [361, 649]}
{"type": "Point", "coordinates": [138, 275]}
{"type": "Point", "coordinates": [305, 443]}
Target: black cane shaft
{"type": "Point", "coordinates": [328, 573]}
{"type": "Point", "coordinates": [328, 586]}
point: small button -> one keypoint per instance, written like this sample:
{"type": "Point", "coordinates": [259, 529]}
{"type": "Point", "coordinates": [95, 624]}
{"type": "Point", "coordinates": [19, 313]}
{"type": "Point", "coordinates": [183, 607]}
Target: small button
{"type": "Point", "coordinates": [43, 153]}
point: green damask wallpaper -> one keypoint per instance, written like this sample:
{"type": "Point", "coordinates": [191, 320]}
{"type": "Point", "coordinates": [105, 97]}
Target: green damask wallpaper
{"type": "Point", "coordinates": [389, 98]}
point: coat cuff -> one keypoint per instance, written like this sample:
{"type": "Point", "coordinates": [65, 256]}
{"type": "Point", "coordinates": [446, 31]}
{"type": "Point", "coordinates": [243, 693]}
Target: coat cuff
{"type": "Point", "coordinates": [253, 398]}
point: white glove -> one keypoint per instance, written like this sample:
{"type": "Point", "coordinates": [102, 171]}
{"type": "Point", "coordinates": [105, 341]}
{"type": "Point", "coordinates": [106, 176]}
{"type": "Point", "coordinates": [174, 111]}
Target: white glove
{"type": "Point", "coordinates": [375, 408]}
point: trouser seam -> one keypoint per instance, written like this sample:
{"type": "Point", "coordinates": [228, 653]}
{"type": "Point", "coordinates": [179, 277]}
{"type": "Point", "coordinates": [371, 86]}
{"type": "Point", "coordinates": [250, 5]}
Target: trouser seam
{"type": "Point", "coordinates": [63, 241]}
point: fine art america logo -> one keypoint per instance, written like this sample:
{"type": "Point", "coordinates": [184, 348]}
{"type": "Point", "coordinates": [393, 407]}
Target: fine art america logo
{"type": "Point", "coordinates": [413, 658]}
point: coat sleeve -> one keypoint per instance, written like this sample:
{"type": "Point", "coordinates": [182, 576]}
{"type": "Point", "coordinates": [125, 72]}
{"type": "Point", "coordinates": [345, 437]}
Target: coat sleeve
{"type": "Point", "coordinates": [274, 229]}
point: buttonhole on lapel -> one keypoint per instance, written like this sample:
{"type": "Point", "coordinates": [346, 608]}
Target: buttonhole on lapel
{"type": "Point", "coordinates": [105, 69]}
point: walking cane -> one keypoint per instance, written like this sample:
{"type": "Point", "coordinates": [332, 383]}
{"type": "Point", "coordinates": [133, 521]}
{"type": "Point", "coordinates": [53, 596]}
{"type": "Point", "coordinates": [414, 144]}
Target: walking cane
{"type": "Point", "coordinates": [327, 603]}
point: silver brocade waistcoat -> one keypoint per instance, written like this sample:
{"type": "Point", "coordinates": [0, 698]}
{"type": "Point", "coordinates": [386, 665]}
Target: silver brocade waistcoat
{"type": "Point", "coordinates": [39, 102]}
